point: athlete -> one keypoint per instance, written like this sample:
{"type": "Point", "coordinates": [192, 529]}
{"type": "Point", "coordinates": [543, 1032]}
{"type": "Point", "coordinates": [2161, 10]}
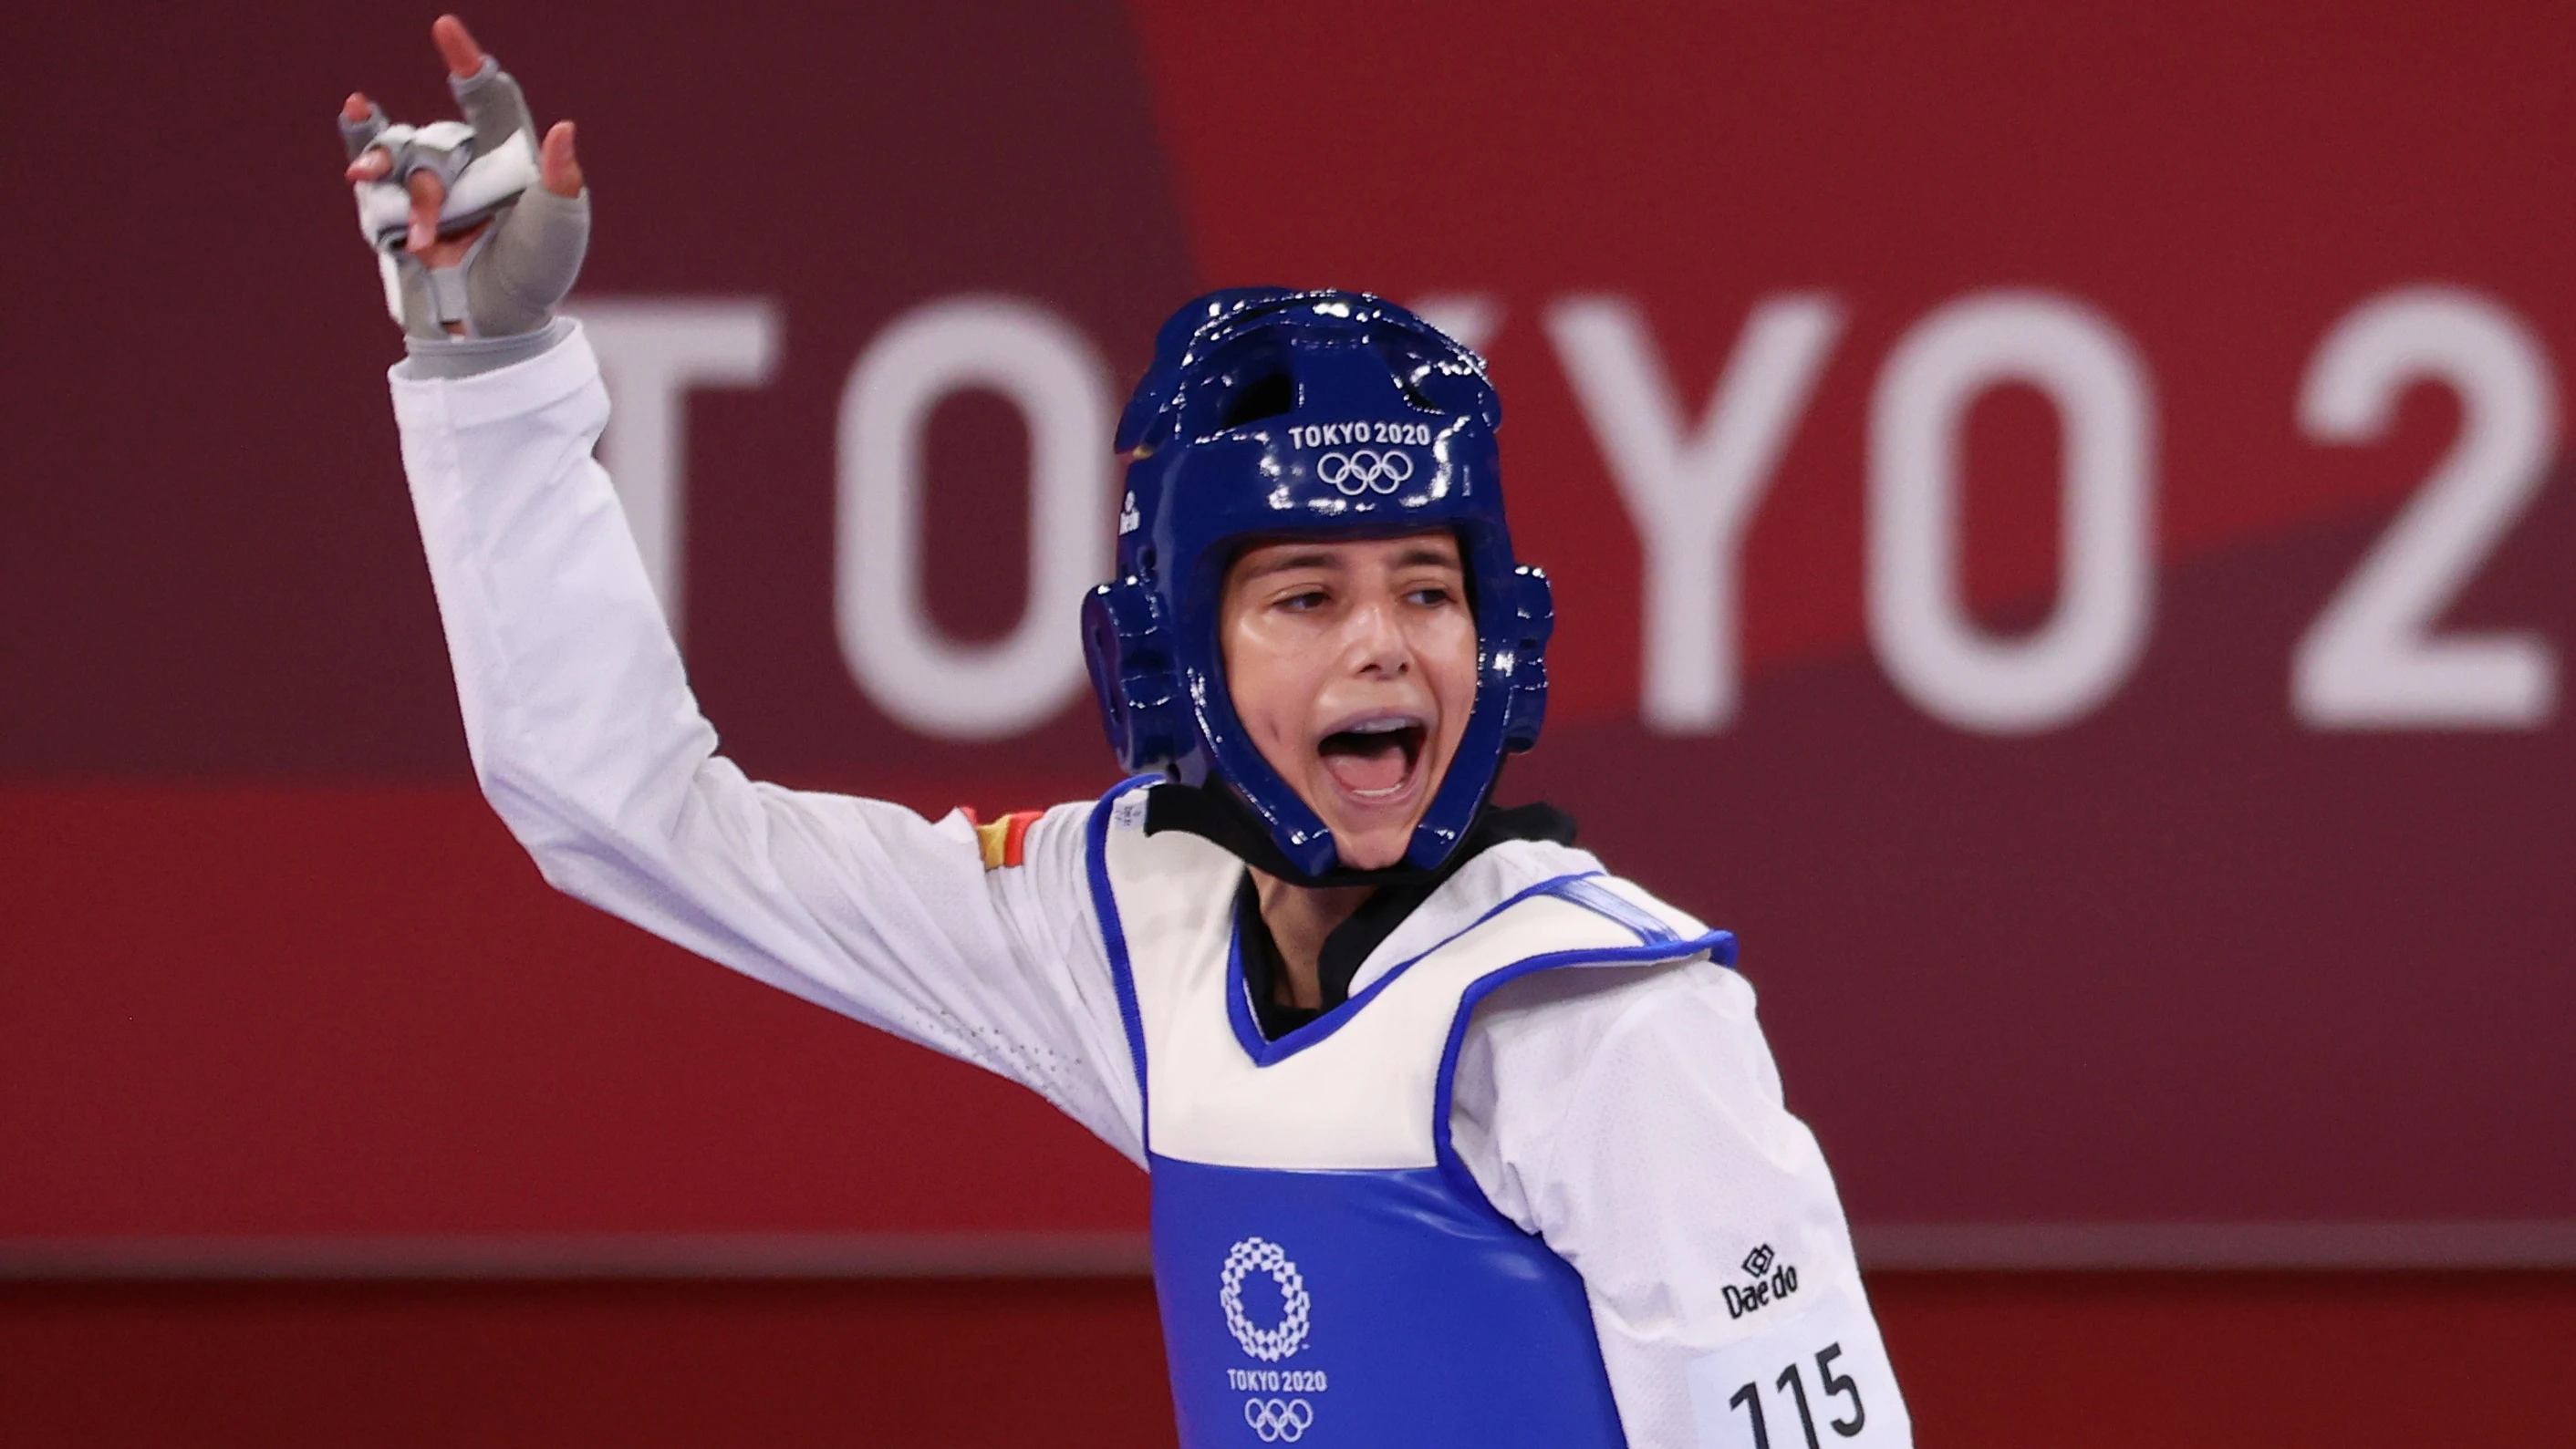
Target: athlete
{"type": "Point", "coordinates": [1455, 1138]}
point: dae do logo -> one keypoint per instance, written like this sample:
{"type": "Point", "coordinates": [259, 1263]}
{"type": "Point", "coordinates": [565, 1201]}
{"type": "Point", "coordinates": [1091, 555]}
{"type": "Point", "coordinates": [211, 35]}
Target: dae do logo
{"type": "Point", "coordinates": [1773, 1280]}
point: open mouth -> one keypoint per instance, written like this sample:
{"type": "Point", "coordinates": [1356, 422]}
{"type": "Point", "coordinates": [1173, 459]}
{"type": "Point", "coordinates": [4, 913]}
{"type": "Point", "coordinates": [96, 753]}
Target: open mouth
{"type": "Point", "coordinates": [1373, 760]}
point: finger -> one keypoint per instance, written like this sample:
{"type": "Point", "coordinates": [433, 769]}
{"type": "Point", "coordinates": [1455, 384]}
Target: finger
{"type": "Point", "coordinates": [493, 104]}
{"type": "Point", "coordinates": [556, 164]}
{"type": "Point", "coordinates": [360, 123]}
{"type": "Point", "coordinates": [372, 166]}
{"type": "Point", "coordinates": [428, 194]}
{"type": "Point", "coordinates": [456, 45]}
{"type": "Point", "coordinates": [534, 255]}
{"type": "Point", "coordinates": [451, 249]}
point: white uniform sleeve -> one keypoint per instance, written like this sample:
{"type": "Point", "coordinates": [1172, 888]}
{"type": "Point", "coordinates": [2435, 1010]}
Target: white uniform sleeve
{"type": "Point", "coordinates": [1637, 1125]}
{"type": "Point", "coordinates": [589, 744]}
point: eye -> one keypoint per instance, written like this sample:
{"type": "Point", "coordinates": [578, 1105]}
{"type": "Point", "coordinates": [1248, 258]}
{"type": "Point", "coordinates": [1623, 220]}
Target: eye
{"type": "Point", "coordinates": [1303, 601]}
{"type": "Point", "coordinates": [1432, 595]}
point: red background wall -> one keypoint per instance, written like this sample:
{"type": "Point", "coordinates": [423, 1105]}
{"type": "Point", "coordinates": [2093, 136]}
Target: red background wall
{"type": "Point", "coordinates": [271, 974]}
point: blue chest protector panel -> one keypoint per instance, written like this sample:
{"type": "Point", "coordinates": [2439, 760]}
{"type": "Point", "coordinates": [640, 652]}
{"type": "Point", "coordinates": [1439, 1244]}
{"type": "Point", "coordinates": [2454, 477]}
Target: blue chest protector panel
{"type": "Point", "coordinates": [1328, 1270]}
{"type": "Point", "coordinates": [1380, 1310]}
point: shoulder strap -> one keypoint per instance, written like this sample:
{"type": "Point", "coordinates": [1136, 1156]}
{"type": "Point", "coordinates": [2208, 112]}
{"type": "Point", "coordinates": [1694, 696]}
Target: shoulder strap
{"type": "Point", "coordinates": [1163, 901]}
{"type": "Point", "coordinates": [1658, 942]}
{"type": "Point", "coordinates": [1127, 797]}
{"type": "Point", "coordinates": [1582, 890]}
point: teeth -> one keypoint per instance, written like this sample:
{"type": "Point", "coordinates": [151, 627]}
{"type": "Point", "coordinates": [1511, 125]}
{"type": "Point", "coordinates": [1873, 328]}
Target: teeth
{"type": "Point", "coordinates": [1379, 727]}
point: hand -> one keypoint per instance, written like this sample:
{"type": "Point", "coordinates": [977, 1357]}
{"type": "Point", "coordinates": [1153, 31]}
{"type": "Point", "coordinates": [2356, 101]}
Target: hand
{"type": "Point", "coordinates": [498, 265]}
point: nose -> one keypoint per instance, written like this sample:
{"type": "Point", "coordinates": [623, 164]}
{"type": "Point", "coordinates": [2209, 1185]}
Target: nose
{"type": "Point", "coordinates": [1377, 645]}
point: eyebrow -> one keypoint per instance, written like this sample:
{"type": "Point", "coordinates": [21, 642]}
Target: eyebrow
{"type": "Point", "coordinates": [1414, 557]}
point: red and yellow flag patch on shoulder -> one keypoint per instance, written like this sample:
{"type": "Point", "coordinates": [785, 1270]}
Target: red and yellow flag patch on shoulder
{"type": "Point", "coordinates": [1004, 840]}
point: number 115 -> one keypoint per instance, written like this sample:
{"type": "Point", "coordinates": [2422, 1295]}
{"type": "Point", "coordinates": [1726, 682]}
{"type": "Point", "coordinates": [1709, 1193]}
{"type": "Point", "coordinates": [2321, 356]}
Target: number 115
{"type": "Point", "coordinates": [1749, 1399]}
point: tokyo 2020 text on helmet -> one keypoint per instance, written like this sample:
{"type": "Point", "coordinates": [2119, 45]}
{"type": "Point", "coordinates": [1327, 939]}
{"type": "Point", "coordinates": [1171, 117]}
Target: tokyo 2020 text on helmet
{"type": "Point", "coordinates": [1272, 413]}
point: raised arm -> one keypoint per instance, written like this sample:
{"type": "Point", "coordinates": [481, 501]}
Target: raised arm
{"type": "Point", "coordinates": [589, 744]}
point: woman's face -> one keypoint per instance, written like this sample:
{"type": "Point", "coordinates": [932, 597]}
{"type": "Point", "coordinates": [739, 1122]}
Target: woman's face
{"type": "Point", "coordinates": [1352, 665]}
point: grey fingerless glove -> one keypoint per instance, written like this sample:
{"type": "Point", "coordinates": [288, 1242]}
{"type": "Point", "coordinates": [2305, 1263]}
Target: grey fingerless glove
{"type": "Point", "coordinates": [521, 267]}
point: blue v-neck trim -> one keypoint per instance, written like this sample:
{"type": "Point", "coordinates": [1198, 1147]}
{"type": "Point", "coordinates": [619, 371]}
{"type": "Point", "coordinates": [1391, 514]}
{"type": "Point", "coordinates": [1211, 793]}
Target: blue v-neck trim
{"type": "Point", "coordinates": [1576, 888]}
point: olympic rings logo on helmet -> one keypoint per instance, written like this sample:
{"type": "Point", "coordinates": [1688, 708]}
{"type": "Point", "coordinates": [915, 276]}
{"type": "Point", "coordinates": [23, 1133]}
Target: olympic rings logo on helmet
{"type": "Point", "coordinates": [1365, 470]}
{"type": "Point", "coordinates": [1279, 1420]}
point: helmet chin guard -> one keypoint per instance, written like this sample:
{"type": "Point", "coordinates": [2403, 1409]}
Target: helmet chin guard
{"type": "Point", "coordinates": [1273, 413]}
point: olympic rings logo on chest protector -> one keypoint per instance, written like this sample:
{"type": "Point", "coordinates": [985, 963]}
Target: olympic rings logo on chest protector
{"type": "Point", "coordinates": [1365, 470]}
{"type": "Point", "coordinates": [1279, 1420]}
{"type": "Point", "coordinates": [1266, 1344]}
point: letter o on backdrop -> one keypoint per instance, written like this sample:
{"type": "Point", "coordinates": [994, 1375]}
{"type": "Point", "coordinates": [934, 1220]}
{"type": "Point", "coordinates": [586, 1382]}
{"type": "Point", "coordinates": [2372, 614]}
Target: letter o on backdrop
{"type": "Point", "coordinates": [1929, 642]}
{"type": "Point", "coordinates": [1048, 369]}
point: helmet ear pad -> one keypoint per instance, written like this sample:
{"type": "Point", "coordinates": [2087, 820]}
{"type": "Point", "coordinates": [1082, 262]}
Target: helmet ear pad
{"type": "Point", "coordinates": [1516, 614]}
{"type": "Point", "coordinates": [1127, 646]}
{"type": "Point", "coordinates": [1164, 711]}
{"type": "Point", "coordinates": [1228, 753]}
{"type": "Point", "coordinates": [1532, 619]}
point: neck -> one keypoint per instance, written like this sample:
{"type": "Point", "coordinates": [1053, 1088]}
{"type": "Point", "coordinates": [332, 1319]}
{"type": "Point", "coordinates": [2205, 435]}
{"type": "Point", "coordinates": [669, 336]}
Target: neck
{"type": "Point", "coordinates": [1299, 918]}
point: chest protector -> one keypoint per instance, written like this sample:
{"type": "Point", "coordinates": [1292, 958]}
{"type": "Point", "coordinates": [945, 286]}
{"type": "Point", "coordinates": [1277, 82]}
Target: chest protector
{"type": "Point", "coordinates": [1329, 1271]}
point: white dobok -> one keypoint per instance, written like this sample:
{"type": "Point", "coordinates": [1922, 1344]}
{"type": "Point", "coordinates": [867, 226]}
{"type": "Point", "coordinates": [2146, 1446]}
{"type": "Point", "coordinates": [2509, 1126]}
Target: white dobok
{"type": "Point", "coordinates": [1630, 1117]}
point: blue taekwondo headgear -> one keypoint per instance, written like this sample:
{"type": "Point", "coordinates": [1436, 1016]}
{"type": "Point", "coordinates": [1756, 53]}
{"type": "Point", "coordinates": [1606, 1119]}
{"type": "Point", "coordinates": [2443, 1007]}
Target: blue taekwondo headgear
{"type": "Point", "coordinates": [1271, 413]}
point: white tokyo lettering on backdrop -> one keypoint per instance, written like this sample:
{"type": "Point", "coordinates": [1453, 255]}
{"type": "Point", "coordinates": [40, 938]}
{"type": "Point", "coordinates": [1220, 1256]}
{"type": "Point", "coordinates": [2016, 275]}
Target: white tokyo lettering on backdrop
{"type": "Point", "coordinates": [1933, 648]}
{"type": "Point", "coordinates": [1046, 367]}
{"type": "Point", "coordinates": [652, 351]}
{"type": "Point", "coordinates": [1470, 318]}
{"type": "Point", "coordinates": [2372, 660]}
{"type": "Point", "coordinates": [2374, 657]}
{"type": "Point", "coordinates": [1692, 490]}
